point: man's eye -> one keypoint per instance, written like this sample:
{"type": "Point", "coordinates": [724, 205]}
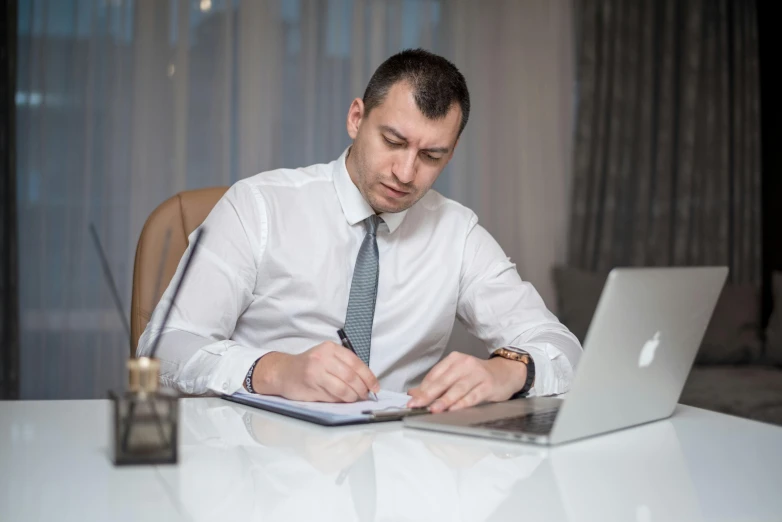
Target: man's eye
{"type": "Point", "coordinates": [392, 143]}
{"type": "Point", "coordinates": [431, 158]}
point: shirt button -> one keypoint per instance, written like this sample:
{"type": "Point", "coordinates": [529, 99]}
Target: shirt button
{"type": "Point", "coordinates": [225, 386]}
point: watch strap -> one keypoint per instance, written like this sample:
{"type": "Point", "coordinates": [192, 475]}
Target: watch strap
{"type": "Point", "coordinates": [522, 357]}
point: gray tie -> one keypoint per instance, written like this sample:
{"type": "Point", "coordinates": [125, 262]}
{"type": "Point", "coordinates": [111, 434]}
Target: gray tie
{"type": "Point", "coordinates": [363, 292]}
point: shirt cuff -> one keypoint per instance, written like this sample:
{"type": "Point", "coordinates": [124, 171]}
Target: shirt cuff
{"type": "Point", "coordinates": [232, 367]}
{"type": "Point", "coordinates": [553, 372]}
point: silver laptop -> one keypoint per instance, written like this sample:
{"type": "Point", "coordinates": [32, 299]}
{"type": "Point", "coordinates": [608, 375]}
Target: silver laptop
{"type": "Point", "coordinates": [638, 352]}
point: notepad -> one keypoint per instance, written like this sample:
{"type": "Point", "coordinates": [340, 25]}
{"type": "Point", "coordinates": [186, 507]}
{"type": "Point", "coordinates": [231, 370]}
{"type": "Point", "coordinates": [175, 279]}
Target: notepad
{"type": "Point", "coordinates": [326, 413]}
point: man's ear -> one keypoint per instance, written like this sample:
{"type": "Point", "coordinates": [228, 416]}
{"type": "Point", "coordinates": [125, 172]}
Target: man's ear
{"type": "Point", "coordinates": [355, 117]}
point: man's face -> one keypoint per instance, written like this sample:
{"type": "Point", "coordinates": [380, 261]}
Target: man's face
{"type": "Point", "coordinates": [398, 152]}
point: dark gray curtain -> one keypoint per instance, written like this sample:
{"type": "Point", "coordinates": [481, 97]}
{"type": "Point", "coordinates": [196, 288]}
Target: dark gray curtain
{"type": "Point", "coordinates": [9, 331]}
{"type": "Point", "coordinates": [667, 146]}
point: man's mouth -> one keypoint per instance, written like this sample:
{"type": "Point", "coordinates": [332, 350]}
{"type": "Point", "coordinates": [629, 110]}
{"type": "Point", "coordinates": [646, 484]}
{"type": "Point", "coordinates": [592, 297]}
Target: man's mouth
{"type": "Point", "coordinates": [394, 192]}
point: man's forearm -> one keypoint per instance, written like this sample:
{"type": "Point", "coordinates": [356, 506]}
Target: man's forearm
{"type": "Point", "coordinates": [196, 365]}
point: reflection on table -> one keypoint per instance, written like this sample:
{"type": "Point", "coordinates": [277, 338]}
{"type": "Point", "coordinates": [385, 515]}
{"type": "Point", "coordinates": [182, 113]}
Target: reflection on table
{"type": "Point", "coordinates": [237, 461]}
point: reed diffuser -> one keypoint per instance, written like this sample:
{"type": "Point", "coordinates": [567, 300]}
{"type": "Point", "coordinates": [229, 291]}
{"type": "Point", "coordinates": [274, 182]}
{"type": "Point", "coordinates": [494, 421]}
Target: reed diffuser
{"type": "Point", "coordinates": [145, 416]}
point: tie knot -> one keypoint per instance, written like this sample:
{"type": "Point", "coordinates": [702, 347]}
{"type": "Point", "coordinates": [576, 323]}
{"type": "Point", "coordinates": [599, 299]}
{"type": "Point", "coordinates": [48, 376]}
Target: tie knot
{"type": "Point", "coordinates": [371, 223]}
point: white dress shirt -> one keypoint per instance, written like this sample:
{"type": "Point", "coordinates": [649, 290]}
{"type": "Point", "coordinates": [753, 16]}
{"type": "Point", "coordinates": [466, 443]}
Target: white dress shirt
{"type": "Point", "coordinates": [273, 273]}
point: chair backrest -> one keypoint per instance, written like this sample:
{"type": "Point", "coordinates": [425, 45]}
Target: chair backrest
{"type": "Point", "coordinates": [181, 214]}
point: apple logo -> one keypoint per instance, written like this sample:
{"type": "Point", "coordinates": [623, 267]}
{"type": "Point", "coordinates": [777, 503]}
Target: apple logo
{"type": "Point", "coordinates": [647, 352]}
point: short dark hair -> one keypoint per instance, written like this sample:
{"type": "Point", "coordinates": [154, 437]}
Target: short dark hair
{"type": "Point", "coordinates": [437, 83]}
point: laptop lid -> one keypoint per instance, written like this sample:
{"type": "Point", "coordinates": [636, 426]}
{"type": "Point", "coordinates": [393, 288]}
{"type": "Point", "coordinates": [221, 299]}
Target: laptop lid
{"type": "Point", "coordinates": [639, 349]}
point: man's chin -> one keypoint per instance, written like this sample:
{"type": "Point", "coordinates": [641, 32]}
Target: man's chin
{"type": "Point", "coordinates": [390, 206]}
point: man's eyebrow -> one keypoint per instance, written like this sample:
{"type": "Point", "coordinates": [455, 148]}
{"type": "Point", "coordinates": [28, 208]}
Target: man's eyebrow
{"type": "Point", "coordinates": [391, 130]}
{"type": "Point", "coordinates": [398, 135]}
{"type": "Point", "coordinates": [440, 150]}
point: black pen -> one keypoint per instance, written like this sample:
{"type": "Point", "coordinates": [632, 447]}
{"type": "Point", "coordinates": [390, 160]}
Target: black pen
{"type": "Point", "coordinates": [347, 344]}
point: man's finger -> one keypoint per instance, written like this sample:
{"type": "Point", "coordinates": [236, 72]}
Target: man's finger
{"type": "Point", "coordinates": [338, 388]}
{"type": "Point", "coordinates": [475, 396]}
{"type": "Point", "coordinates": [349, 376]}
{"type": "Point", "coordinates": [361, 369]}
{"type": "Point", "coordinates": [325, 396]}
{"type": "Point", "coordinates": [420, 392]}
{"type": "Point", "coordinates": [431, 391]}
{"type": "Point", "coordinates": [455, 393]}
{"type": "Point", "coordinates": [414, 391]}
{"type": "Point", "coordinates": [439, 369]}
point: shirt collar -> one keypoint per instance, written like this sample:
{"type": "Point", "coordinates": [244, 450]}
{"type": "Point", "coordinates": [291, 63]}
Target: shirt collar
{"type": "Point", "coordinates": [354, 205]}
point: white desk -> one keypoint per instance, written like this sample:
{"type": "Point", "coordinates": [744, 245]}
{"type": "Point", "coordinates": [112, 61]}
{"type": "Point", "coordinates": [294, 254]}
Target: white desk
{"type": "Point", "coordinates": [237, 463]}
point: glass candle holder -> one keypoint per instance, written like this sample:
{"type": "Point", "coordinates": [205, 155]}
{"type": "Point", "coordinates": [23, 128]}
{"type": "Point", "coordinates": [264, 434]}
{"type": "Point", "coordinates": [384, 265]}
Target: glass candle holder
{"type": "Point", "coordinates": [145, 418]}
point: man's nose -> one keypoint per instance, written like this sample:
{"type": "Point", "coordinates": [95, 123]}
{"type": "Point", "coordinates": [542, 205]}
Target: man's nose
{"type": "Point", "coordinates": [404, 170]}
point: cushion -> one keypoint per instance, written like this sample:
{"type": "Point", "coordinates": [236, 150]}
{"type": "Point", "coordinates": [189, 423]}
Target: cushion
{"type": "Point", "coordinates": [578, 292]}
{"type": "Point", "coordinates": [734, 332]}
{"type": "Point", "coordinates": [753, 392]}
{"type": "Point", "coordinates": [774, 329]}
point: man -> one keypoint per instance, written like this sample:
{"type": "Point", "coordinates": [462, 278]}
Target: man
{"type": "Point", "coordinates": [291, 256]}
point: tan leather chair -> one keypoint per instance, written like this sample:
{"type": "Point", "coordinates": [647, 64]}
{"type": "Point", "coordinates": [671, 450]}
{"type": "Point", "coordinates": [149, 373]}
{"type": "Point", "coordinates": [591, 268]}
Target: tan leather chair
{"type": "Point", "coordinates": [181, 214]}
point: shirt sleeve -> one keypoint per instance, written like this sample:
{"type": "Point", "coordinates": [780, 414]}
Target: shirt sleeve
{"type": "Point", "coordinates": [196, 352]}
{"type": "Point", "coordinates": [503, 311]}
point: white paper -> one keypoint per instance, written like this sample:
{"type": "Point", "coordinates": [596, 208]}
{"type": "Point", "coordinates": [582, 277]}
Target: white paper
{"type": "Point", "coordinates": [387, 400]}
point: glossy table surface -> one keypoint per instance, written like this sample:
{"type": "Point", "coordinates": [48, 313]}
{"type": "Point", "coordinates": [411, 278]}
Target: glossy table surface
{"type": "Point", "coordinates": [237, 463]}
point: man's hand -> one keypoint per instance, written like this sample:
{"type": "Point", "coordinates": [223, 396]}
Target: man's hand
{"type": "Point", "coordinates": [461, 380]}
{"type": "Point", "coordinates": [325, 373]}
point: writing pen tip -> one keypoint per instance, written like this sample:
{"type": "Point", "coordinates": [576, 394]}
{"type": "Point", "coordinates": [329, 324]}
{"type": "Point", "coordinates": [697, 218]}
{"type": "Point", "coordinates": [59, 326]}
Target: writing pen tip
{"type": "Point", "coordinates": [372, 396]}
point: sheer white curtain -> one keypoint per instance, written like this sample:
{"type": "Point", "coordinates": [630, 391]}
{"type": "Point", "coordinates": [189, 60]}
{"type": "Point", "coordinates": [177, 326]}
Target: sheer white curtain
{"type": "Point", "coordinates": [513, 163]}
{"type": "Point", "coordinates": [123, 103]}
